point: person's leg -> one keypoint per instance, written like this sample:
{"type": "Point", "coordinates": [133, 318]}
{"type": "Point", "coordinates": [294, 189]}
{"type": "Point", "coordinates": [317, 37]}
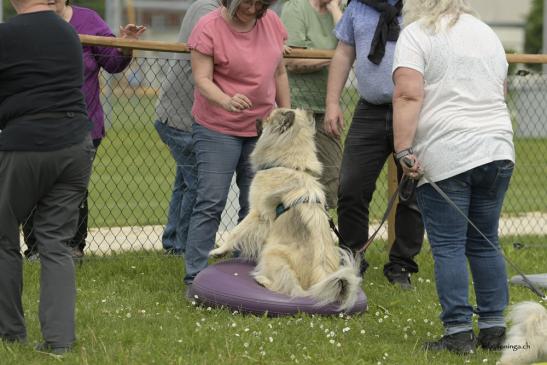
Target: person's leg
{"type": "Point", "coordinates": [31, 252]}
{"type": "Point", "coordinates": [244, 175]}
{"type": "Point", "coordinates": [446, 230]}
{"type": "Point", "coordinates": [329, 153]}
{"type": "Point", "coordinates": [55, 223]}
{"type": "Point", "coordinates": [217, 156]}
{"type": "Point", "coordinates": [169, 236]}
{"type": "Point", "coordinates": [183, 152]}
{"type": "Point", "coordinates": [365, 152]}
{"type": "Point", "coordinates": [78, 242]}
{"type": "Point", "coordinates": [409, 236]}
{"type": "Point", "coordinates": [490, 182]}
{"type": "Point", "coordinates": [18, 196]}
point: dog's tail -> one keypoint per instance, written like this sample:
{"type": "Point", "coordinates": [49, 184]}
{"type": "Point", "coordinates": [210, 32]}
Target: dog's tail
{"type": "Point", "coordinates": [341, 286]}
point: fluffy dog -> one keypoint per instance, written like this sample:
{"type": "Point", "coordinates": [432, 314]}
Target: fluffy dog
{"type": "Point", "coordinates": [287, 229]}
{"type": "Point", "coordinates": [526, 340]}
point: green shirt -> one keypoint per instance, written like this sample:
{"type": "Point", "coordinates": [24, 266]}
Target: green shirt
{"type": "Point", "coordinates": [307, 28]}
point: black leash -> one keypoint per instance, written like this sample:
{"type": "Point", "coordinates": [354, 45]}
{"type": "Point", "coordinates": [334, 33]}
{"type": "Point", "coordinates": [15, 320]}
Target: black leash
{"type": "Point", "coordinates": [404, 190]}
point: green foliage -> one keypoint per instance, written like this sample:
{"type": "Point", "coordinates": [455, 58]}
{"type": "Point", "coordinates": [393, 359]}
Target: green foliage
{"type": "Point", "coordinates": [533, 41]}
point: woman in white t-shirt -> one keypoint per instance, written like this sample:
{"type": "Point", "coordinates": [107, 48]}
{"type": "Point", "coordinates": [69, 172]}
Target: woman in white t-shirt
{"type": "Point", "coordinates": [452, 124]}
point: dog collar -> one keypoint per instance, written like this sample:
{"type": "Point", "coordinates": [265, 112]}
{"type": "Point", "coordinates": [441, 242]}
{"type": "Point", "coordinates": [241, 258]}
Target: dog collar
{"type": "Point", "coordinates": [281, 208]}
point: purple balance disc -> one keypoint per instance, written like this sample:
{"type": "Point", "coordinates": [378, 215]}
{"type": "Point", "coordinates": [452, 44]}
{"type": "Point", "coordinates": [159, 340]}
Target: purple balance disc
{"type": "Point", "coordinates": [230, 284]}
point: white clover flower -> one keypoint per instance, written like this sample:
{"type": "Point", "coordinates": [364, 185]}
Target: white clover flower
{"type": "Point", "coordinates": [331, 341]}
{"type": "Point", "coordinates": [405, 336]}
{"type": "Point", "coordinates": [345, 329]}
{"type": "Point", "coordinates": [380, 320]}
{"type": "Point", "coordinates": [234, 324]}
{"type": "Point", "coordinates": [270, 339]}
{"type": "Point", "coordinates": [363, 332]}
{"type": "Point", "coordinates": [246, 344]}
{"type": "Point", "coordinates": [338, 344]}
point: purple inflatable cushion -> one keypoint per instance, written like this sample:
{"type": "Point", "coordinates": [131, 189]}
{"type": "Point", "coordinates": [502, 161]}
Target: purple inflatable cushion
{"type": "Point", "coordinates": [229, 284]}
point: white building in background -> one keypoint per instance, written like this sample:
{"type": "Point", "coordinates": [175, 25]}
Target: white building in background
{"type": "Point", "coordinates": [507, 18]}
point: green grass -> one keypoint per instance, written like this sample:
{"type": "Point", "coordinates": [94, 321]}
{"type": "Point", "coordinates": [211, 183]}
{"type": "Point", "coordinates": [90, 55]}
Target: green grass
{"type": "Point", "coordinates": [133, 172]}
{"type": "Point", "coordinates": [131, 310]}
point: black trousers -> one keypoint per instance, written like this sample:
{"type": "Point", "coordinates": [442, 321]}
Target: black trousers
{"type": "Point", "coordinates": [368, 145]}
{"type": "Point", "coordinates": [81, 231]}
{"type": "Point", "coordinates": [55, 182]}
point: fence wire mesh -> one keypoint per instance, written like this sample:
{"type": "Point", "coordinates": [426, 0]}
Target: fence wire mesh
{"type": "Point", "coordinates": [133, 171]}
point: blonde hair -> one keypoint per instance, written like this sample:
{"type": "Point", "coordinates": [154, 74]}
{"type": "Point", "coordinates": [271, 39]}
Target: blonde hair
{"type": "Point", "coordinates": [430, 12]}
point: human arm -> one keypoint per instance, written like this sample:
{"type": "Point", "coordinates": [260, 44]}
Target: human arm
{"type": "Point", "coordinates": [408, 96]}
{"type": "Point", "coordinates": [130, 31]}
{"type": "Point", "coordinates": [202, 71]}
{"type": "Point", "coordinates": [114, 60]}
{"type": "Point", "coordinates": [334, 9]}
{"type": "Point", "coordinates": [282, 92]}
{"type": "Point", "coordinates": [341, 63]}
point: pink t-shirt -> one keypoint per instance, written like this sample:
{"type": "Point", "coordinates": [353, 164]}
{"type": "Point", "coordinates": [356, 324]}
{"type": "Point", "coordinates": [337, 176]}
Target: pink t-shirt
{"type": "Point", "coordinates": [245, 63]}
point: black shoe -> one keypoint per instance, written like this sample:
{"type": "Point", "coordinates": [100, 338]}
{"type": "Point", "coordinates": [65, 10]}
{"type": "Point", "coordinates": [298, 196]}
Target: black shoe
{"type": "Point", "coordinates": [400, 278]}
{"type": "Point", "coordinates": [45, 347]}
{"type": "Point", "coordinates": [492, 338]}
{"type": "Point", "coordinates": [460, 343]}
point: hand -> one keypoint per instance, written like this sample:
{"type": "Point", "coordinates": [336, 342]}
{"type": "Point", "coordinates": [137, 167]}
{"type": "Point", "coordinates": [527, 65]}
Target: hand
{"type": "Point", "coordinates": [132, 31]}
{"type": "Point", "coordinates": [334, 120]}
{"type": "Point", "coordinates": [287, 50]}
{"type": "Point", "coordinates": [333, 5]}
{"type": "Point", "coordinates": [237, 103]}
{"type": "Point", "coordinates": [411, 167]}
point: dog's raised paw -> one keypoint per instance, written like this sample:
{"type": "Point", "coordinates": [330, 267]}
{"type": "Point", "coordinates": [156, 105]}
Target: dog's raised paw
{"type": "Point", "coordinates": [217, 252]}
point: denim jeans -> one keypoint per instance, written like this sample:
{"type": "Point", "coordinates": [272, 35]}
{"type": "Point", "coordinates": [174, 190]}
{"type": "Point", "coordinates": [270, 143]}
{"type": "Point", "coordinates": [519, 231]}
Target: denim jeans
{"type": "Point", "coordinates": [183, 197]}
{"type": "Point", "coordinates": [218, 156]}
{"type": "Point", "coordinates": [479, 193]}
{"type": "Point", "coordinates": [368, 145]}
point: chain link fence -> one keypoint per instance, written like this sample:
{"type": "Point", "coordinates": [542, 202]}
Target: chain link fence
{"type": "Point", "coordinates": [133, 172]}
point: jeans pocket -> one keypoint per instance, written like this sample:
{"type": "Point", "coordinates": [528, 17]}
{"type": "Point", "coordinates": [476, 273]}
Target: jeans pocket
{"type": "Point", "coordinates": [505, 168]}
{"type": "Point", "coordinates": [504, 171]}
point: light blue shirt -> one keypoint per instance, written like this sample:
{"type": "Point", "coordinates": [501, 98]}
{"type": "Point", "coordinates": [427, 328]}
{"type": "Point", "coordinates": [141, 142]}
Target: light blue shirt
{"type": "Point", "coordinates": [356, 28]}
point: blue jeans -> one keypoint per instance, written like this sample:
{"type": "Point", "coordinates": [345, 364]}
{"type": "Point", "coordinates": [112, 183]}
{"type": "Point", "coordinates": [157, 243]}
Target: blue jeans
{"type": "Point", "coordinates": [479, 193]}
{"type": "Point", "coordinates": [218, 156]}
{"type": "Point", "coordinates": [184, 188]}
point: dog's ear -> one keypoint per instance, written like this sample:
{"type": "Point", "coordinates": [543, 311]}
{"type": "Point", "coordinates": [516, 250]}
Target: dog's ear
{"type": "Point", "coordinates": [287, 120]}
{"type": "Point", "coordinates": [259, 123]}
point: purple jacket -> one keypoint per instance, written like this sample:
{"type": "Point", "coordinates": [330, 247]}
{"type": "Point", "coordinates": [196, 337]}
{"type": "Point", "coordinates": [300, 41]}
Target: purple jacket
{"type": "Point", "coordinates": [87, 21]}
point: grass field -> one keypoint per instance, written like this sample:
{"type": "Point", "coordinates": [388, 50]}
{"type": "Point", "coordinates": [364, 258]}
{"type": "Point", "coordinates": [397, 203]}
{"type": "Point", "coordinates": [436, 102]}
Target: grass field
{"type": "Point", "coordinates": [133, 172]}
{"type": "Point", "coordinates": [131, 310]}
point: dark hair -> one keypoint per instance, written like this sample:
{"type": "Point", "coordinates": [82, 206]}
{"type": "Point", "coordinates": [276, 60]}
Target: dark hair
{"type": "Point", "coordinates": [232, 5]}
{"type": "Point", "coordinates": [67, 2]}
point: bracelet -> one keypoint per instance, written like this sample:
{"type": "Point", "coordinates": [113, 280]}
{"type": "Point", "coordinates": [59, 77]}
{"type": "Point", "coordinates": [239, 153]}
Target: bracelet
{"type": "Point", "coordinates": [403, 153]}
